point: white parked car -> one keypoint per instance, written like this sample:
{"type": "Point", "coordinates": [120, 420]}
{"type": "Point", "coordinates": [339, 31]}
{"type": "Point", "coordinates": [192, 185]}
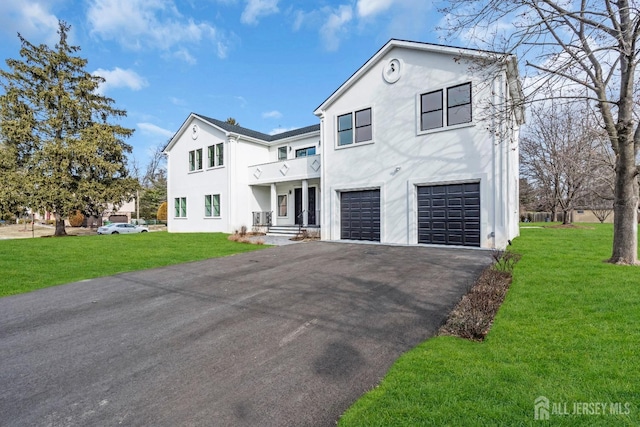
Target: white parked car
{"type": "Point", "coordinates": [122, 228]}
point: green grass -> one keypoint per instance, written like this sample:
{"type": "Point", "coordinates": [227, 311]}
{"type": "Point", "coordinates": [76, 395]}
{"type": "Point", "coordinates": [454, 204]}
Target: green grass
{"type": "Point", "coordinates": [569, 330]}
{"type": "Point", "coordinates": [30, 264]}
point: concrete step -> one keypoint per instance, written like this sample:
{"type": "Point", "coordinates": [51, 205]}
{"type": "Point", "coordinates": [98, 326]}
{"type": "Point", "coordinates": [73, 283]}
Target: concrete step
{"type": "Point", "coordinates": [289, 230]}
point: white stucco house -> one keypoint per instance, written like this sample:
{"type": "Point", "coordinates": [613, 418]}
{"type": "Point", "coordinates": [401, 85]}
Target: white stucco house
{"type": "Point", "coordinates": [414, 148]}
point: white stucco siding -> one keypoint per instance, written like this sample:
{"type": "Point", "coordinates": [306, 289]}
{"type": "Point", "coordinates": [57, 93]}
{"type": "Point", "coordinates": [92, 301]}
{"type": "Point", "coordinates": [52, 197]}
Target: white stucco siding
{"type": "Point", "coordinates": [400, 157]}
{"type": "Point", "coordinates": [292, 145]}
{"type": "Point", "coordinates": [245, 154]}
{"type": "Point", "coordinates": [194, 185]}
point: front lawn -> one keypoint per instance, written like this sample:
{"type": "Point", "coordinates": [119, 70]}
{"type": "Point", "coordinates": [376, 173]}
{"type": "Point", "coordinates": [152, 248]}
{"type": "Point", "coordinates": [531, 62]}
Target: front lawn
{"type": "Point", "coordinates": [568, 332]}
{"type": "Point", "coordinates": [30, 264]}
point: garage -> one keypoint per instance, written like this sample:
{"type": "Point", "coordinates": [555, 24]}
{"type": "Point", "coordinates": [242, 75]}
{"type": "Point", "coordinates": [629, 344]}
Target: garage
{"type": "Point", "coordinates": [360, 215]}
{"type": "Point", "coordinates": [449, 214]}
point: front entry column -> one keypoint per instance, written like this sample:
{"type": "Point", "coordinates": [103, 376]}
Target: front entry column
{"type": "Point", "coordinates": [305, 203]}
{"type": "Point", "coordinates": [274, 204]}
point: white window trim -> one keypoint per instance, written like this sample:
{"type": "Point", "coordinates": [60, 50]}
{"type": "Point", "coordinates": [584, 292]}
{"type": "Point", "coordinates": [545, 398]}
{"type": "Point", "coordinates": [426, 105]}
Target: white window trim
{"type": "Point", "coordinates": [215, 157]}
{"type": "Point", "coordinates": [174, 207]}
{"type": "Point", "coordinates": [354, 144]}
{"type": "Point", "coordinates": [278, 205]}
{"type": "Point", "coordinates": [286, 150]}
{"type": "Point", "coordinates": [444, 127]}
{"type": "Point", "coordinates": [195, 160]}
{"type": "Point", "coordinates": [213, 216]}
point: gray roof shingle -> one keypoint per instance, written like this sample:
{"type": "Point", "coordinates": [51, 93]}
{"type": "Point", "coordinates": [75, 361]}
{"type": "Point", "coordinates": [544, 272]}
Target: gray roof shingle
{"type": "Point", "coordinates": [259, 135]}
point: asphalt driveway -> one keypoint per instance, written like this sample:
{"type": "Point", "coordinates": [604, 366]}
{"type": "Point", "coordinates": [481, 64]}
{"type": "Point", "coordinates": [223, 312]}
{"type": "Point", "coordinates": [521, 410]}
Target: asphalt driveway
{"type": "Point", "coordinates": [287, 336]}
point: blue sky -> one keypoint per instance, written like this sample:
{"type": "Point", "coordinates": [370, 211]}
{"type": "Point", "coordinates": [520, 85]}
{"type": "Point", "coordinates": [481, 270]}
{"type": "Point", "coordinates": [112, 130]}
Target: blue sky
{"type": "Point", "coordinates": [267, 63]}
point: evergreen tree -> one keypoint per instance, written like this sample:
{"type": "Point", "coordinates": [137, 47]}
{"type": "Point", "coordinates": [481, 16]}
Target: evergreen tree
{"type": "Point", "coordinates": [61, 149]}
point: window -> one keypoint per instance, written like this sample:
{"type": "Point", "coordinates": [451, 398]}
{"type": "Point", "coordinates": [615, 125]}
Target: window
{"type": "Point", "coordinates": [304, 152]}
{"type": "Point", "coordinates": [363, 125]}
{"type": "Point", "coordinates": [360, 121]}
{"type": "Point", "coordinates": [219, 154]}
{"type": "Point", "coordinates": [195, 160]}
{"type": "Point", "coordinates": [216, 155]}
{"type": "Point", "coordinates": [282, 205]}
{"type": "Point", "coordinates": [180, 204]}
{"type": "Point", "coordinates": [212, 205]}
{"type": "Point", "coordinates": [431, 110]}
{"type": "Point", "coordinates": [458, 102]}
{"type": "Point", "coordinates": [282, 153]}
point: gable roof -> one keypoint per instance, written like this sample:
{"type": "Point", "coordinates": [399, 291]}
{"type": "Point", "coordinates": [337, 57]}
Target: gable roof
{"type": "Point", "coordinates": [509, 59]}
{"type": "Point", "coordinates": [230, 129]}
{"type": "Point", "coordinates": [239, 130]}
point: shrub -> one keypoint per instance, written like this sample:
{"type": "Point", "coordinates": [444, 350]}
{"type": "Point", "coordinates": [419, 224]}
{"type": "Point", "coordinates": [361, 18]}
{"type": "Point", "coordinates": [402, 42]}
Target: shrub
{"type": "Point", "coordinates": [76, 219]}
{"type": "Point", "coordinates": [473, 316]}
{"type": "Point", "coordinates": [161, 215]}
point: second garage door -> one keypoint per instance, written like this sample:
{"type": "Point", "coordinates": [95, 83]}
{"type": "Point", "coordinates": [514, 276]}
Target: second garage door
{"type": "Point", "coordinates": [449, 214]}
{"type": "Point", "coordinates": [360, 215]}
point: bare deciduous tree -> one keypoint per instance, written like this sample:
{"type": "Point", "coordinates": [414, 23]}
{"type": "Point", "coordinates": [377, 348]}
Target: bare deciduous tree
{"type": "Point", "coordinates": [560, 154]}
{"type": "Point", "coordinates": [590, 45]}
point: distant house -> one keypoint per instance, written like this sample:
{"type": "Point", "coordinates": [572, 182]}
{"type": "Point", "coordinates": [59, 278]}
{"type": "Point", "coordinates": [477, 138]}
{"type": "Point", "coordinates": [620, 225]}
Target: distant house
{"type": "Point", "coordinates": [400, 156]}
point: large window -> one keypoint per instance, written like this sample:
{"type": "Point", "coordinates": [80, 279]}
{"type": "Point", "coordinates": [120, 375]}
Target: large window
{"type": "Point", "coordinates": [282, 205]}
{"type": "Point", "coordinates": [355, 127]}
{"type": "Point", "coordinates": [304, 152]}
{"type": "Point", "coordinates": [215, 155]}
{"type": "Point", "coordinates": [180, 204]}
{"type": "Point", "coordinates": [212, 205]}
{"type": "Point", "coordinates": [195, 160]}
{"type": "Point", "coordinates": [458, 110]}
{"type": "Point", "coordinates": [431, 110]}
{"type": "Point", "coordinates": [282, 153]}
{"type": "Point", "coordinates": [459, 104]}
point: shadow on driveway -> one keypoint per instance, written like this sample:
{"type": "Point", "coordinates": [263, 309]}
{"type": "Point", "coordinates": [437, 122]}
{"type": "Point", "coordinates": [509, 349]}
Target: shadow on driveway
{"type": "Point", "coordinates": [285, 336]}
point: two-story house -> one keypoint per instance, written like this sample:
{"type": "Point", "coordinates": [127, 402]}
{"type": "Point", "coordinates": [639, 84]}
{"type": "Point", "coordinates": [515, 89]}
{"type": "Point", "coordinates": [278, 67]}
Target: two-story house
{"type": "Point", "coordinates": [416, 147]}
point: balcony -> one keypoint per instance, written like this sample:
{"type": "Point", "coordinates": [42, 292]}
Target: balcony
{"type": "Point", "coordinates": [285, 170]}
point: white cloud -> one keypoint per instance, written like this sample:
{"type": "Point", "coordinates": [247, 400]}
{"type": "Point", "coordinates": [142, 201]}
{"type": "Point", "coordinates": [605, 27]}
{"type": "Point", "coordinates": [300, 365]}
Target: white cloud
{"type": "Point", "coordinates": [257, 9]}
{"type": "Point", "coordinates": [280, 130]}
{"type": "Point", "coordinates": [184, 55]}
{"type": "Point", "coordinates": [148, 24]}
{"type": "Point", "coordinates": [118, 77]}
{"type": "Point", "coordinates": [272, 115]}
{"type": "Point", "coordinates": [334, 27]}
{"type": "Point", "coordinates": [150, 128]}
{"type": "Point", "coordinates": [33, 20]}
{"type": "Point", "coordinates": [241, 100]}
{"type": "Point", "coordinates": [177, 101]}
{"type": "Point", "coordinates": [367, 8]}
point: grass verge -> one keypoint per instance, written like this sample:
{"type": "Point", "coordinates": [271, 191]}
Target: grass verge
{"type": "Point", "coordinates": [30, 264]}
{"type": "Point", "coordinates": [568, 331]}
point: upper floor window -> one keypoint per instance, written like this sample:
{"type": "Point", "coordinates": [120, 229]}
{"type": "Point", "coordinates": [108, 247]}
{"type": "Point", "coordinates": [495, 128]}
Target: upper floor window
{"type": "Point", "coordinates": [180, 206]}
{"type": "Point", "coordinates": [195, 160]}
{"type": "Point", "coordinates": [458, 102]}
{"type": "Point", "coordinates": [216, 155]}
{"type": "Point", "coordinates": [431, 110]}
{"type": "Point", "coordinates": [355, 127]}
{"type": "Point", "coordinates": [304, 152]}
{"type": "Point", "coordinates": [282, 153]}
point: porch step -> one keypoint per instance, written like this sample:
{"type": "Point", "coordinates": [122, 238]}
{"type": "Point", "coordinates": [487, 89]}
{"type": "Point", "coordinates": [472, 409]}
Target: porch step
{"type": "Point", "coordinates": [283, 230]}
{"type": "Point", "coordinates": [289, 230]}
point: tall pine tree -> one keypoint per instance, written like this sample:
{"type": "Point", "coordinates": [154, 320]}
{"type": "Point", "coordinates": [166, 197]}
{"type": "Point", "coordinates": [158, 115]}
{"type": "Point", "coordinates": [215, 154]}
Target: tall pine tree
{"type": "Point", "coordinates": [62, 151]}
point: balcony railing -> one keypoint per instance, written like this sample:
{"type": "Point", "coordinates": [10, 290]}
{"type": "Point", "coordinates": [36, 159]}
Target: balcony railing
{"type": "Point", "coordinates": [285, 170]}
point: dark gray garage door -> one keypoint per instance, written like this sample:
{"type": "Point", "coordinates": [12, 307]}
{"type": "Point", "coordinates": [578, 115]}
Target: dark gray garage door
{"type": "Point", "coordinates": [360, 215]}
{"type": "Point", "coordinates": [449, 214]}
